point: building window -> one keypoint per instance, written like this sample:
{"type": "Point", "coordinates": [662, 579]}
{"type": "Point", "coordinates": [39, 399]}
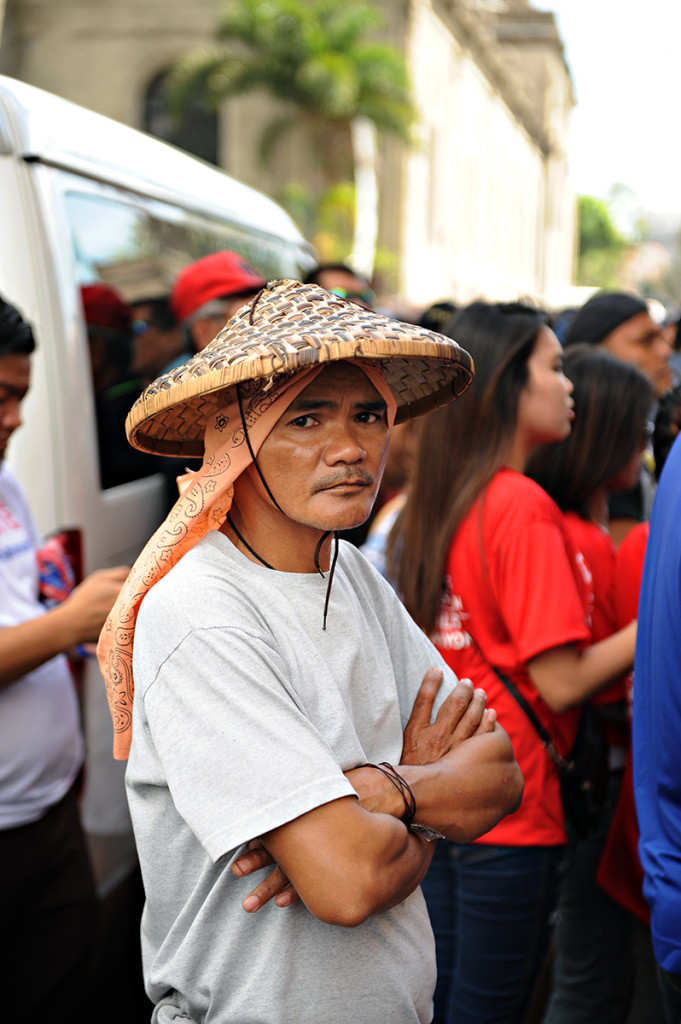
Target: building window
{"type": "Point", "coordinates": [196, 131]}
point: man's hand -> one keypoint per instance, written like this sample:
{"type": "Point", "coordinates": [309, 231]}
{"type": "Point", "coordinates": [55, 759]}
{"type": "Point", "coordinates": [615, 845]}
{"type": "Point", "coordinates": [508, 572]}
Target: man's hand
{"type": "Point", "coordinates": [462, 715]}
{"type": "Point", "coordinates": [276, 886]}
{"type": "Point", "coordinates": [77, 620]}
{"type": "Point", "coordinates": [88, 604]}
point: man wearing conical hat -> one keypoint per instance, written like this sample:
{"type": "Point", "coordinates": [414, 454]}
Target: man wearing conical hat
{"type": "Point", "coordinates": [285, 781]}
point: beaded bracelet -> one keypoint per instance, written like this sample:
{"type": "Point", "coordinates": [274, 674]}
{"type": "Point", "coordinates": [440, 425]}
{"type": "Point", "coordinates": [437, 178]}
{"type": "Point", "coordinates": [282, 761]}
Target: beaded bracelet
{"type": "Point", "coordinates": [401, 785]}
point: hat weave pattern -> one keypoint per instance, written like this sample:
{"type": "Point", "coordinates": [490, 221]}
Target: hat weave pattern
{"type": "Point", "coordinates": [290, 326]}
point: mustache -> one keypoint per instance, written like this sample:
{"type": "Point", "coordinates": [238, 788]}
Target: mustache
{"type": "Point", "coordinates": [349, 476]}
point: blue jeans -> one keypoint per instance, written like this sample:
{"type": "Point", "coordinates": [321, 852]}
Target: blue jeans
{"type": "Point", "coordinates": [492, 910]}
{"type": "Point", "coordinates": [670, 990]}
{"type": "Point", "coordinates": [594, 970]}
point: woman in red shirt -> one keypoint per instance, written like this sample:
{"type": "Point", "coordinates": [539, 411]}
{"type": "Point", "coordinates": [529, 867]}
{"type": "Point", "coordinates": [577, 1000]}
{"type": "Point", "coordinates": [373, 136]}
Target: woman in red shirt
{"type": "Point", "coordinates": [484, 563]}
{"type": "Point", "coordinates": [594, 968]}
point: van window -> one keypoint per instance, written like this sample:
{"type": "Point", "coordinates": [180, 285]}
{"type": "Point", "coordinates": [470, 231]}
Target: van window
{"type": "Point", "coordinates": [128, 250]}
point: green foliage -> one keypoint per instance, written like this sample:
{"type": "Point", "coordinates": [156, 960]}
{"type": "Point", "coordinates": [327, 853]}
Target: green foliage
{"type": "Point", "coordinates": [601, 248]}
{"type": "Point", "coordinates": [327, 220]}
{"type": "Point", "coordinates": [321, 61]}
{"type": "Point", "coordinates": [672, 281]}
{"type": "Point", "coordinates": [312, 54]}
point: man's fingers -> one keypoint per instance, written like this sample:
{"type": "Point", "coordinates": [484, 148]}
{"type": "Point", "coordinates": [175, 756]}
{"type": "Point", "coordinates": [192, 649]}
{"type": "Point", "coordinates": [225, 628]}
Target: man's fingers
{"type": "Point", "coordinates": [473, 715]}
{"type": "Point", "coordinates": [457, 704]}
{"type": "Point", "coordinates": [276, 884]}
{"type": "Point", "coordinates": [462, 713]}
{"type": "Point", "coordinates": [256, 857]}
{"type": "Point", "coordinates": [488, 721]}
{"type": "Point", "coordinates": [286, 897]}
{"type": "Point", "coordinates": [425, 698]}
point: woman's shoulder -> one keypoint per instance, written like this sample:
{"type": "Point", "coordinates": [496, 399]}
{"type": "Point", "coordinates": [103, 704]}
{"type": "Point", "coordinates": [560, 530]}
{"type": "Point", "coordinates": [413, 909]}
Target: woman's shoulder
{"type": "Point", "coordinates": [516, 497]}
{"type": "Point", "coordinates": [633, 547]}
{"type": "Point", "coordinates": [590, 537]}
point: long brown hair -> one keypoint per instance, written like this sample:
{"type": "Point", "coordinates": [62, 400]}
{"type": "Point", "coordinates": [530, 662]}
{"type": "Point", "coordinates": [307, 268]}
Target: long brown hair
{"type": "Point", "coordinates": [612, 404]}
{"type": "Point", "coordinates": [460, 448]}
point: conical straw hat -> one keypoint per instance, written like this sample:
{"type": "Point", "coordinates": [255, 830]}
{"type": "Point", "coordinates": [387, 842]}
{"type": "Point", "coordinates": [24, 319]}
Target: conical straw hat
{"type": "Point", "coordinates": [287, 327]}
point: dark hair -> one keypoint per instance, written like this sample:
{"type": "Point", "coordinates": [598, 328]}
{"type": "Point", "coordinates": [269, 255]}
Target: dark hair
{"type": "Point", "coordinates": [16, 336]}
{"type": "Point", "coordinates": [601, 315]}
{"type": "Point", "coordinates": [437, 316]}
{"type": "Point", "coordinates": [312, 276]}
{"type": "Point", "coordinates": [461, 447]}
{"type": "Point", "coordinates": [161, 312]}
{"type": "Point", "coordinates": [667, 426]}
{"type": "Point", "coordinates": [676, 340]}
{"type": "Point", "coordinates": [612, 405]}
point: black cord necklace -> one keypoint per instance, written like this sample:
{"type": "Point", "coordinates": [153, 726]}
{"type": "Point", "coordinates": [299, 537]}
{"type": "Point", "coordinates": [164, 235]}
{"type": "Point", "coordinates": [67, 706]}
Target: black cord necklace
{"type": "Point", "coordinates": [316, 560]}
{"type": "Point", "coordinates": [247, 545]}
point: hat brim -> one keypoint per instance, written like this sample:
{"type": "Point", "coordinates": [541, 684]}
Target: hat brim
{"type": "Point", "coordinates": [424, 370]}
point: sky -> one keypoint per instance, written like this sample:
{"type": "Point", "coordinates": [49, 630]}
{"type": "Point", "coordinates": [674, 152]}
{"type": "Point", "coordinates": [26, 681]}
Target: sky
{"type": "Point", "coordinates": [624, 60]}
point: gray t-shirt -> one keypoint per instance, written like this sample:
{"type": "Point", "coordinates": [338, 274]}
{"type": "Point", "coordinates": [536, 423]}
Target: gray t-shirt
{"type": "Point", "coordinates": [246, 714]}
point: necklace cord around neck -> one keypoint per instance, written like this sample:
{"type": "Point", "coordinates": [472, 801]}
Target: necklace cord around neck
{"type": "Point", "coordinates": [331, 570]}
{"type": "Point", "coordinates": [316, 560]}
{"type": "Point", "coordinates": [247, 545]}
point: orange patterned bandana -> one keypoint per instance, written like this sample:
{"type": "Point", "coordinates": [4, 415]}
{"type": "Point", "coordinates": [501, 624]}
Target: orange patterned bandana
{"type": "Point", "coordinates": [202, 506]}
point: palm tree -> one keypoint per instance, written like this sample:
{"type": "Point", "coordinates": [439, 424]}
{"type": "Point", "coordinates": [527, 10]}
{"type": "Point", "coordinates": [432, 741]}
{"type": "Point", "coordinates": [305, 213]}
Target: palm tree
{"type": "Point", "coordinates": [318, 57]}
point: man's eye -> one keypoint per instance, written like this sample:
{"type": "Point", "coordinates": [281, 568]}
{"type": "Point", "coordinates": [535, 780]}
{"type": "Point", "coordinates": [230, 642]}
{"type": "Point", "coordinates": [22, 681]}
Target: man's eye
{"type": "Point", "coordinates": [302, 421]}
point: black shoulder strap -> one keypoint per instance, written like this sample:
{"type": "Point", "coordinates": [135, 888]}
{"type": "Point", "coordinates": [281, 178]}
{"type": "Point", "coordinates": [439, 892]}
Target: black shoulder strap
{"type": "Point", "coordinates": [544, 735]}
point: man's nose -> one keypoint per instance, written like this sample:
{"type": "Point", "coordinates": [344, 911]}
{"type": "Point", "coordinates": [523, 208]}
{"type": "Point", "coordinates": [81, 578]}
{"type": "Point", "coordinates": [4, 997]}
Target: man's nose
{"type": "Point", "coordinates": [10, 414]}
{"type": "Point", "coordinates": [344, 446]}
{"type": "Point", "coordinates": [664, 348]}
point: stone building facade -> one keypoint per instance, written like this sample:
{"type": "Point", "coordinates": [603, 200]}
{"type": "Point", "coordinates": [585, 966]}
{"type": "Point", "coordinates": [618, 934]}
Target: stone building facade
{"type": "Point", "coordinates": [481, 205]}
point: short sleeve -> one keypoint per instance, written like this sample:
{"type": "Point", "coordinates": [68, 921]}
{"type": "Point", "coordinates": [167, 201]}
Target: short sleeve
{"type": "Point", "coordinates": [410, 650]}
{"type": "Point", "coordinates": [540, 585]}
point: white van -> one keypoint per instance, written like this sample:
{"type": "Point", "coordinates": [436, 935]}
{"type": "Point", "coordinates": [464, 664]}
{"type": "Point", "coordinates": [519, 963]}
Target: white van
{"type": "Point", "coordinates": [84, 200]}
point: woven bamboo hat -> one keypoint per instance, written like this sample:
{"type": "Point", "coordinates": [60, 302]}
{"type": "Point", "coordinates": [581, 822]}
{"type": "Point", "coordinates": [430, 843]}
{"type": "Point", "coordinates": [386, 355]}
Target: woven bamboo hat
{"type": "Point", "coordinates": [290, 326]}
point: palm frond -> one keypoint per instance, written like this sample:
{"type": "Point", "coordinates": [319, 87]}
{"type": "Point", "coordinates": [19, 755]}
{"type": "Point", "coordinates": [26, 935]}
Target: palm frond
{"type": "Point", "coordinates": [315, 54]}
{"type": "Point", "coordinates": [272, 134]}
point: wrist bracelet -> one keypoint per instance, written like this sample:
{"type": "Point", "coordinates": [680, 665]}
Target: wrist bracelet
{"type": "Point", "coordinates": [425, 831]}
{"type": "Point", "coordinates": [401, 785]}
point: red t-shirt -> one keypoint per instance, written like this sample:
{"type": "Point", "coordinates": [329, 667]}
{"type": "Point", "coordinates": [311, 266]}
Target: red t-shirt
{"type": "Point", "coordinates": [628, 573]}
{"type": "Point", "coordinates": [516, 588]}
{"type": "Point", "coordinates": [620, 872]}
{"type": "Point", "coordinates": [600, 553]}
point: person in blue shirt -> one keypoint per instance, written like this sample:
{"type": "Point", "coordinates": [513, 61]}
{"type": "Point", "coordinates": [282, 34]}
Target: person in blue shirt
{"type": "Point", "coordinates": [657, 730]}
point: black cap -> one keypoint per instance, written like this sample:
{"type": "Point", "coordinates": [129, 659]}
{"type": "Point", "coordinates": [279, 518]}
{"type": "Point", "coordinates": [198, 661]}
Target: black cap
{"type": "Point", "coordinates": [601, 315]}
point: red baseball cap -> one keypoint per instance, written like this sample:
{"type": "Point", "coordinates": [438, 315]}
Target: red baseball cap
{"type": "Point", "coordinates": [218, 275]}
{"type": "Point", "coordinates": [103, 307]}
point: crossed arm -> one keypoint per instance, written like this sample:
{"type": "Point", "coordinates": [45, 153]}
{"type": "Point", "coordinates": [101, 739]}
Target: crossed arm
{"type": "Point", "coordinates": [352, 858]}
